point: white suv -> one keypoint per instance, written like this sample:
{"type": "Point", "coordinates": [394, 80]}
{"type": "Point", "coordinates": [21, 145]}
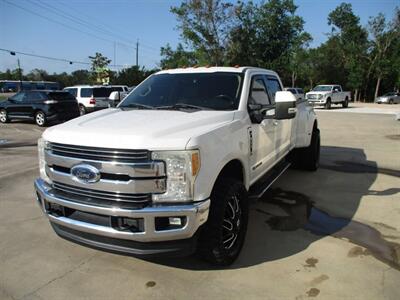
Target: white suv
{"type": "Point", "coordinates": [90, 98]}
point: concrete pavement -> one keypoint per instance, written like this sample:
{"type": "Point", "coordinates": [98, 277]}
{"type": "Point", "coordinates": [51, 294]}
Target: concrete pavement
{"type": "Point", "coordinates": [332, 234]}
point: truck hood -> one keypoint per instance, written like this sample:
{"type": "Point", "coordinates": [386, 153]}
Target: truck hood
{"type": "Point", "coordinates": [137, 129]}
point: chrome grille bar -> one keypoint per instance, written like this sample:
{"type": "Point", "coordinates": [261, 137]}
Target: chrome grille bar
{"type": "Point", "coordinates": [102, 154]}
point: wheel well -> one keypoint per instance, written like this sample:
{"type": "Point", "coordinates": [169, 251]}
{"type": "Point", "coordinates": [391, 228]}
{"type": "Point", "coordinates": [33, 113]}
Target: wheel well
{"type": "Point", "coordinates": [233, 169]}
{"type": "Point", "coordinates": [36, 111]}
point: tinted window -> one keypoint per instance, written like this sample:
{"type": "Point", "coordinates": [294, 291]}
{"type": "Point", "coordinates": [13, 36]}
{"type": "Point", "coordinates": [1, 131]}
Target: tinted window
{"type": "Point", "coordinates": [300, 91]}
{"type": "Point", "coordinates": [258, 92]}
{"type": "Point", "coordinates": [40, 86]}
{"type": "Point", "coordinates": [293, 91]}
{"type": "Point", "coordinates": [220, 90]}
{"type": "Point", "coordinates": [273, 86]}
{"type": "Point", "coordinates": [117, 88]}
{"type": "Point", "coordinates": [61, 96]}
{"type": "Point", "coordinates": [102, 92]}
{"type": "Point", "coordinates": [32, 96]}
{"type": "Point", "coordinates": [337, 88]}
{"type": "Point", "coordinates": [86, 92]}
{"type": "Point", "coordinates": [18, 97]}
{"type": "Point", "coordinates": [73, 92]}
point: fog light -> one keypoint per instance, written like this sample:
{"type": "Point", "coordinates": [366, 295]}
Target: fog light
{"type": "Point", "coordinates": [175, 221]}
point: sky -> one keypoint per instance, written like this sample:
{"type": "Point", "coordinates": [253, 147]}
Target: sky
{"type": "Point", "coordinates": [76, 29]}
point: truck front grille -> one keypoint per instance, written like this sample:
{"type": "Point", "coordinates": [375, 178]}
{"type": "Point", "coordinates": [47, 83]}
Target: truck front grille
{"type": "Point", "coordinates": [99, 154]}
{"type": "Point", "coordinates": [101, 198]}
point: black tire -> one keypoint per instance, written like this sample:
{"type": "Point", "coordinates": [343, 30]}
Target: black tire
{"type": "Point", "coordinates": [328, 103]}
{"type": "Point", "coordinates": [223, 235]}
{"type": "Point", "coordinates": [4, 116]}
{"type": "Point", "coordinates": [391, 101]}
{"type": "Point", "coordinates": [40, 118]}
{"type": "Point", "coordinates": [82, 110]}
{"type": "Point", "coordinates": [345, 103]}
{"type": "Point", "coordinates": [307, 158]}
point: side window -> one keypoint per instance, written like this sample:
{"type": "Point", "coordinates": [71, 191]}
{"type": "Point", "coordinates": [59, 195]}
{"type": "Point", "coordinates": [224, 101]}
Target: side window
{"type": "Point", "coordinates": [86, 92]}
{"type": "Point", "coordinates": [300, 91]}
{"type": "Point", "coordinates": [258, 92]}
{"type": "Point", "coordinates": [73, 92]}
{"type": "Point", "coordinates": [273, 86]}
{"type": "Point", "coordinates": [337, 88]}
{"type": "Point", "coordinates": [18, 97]}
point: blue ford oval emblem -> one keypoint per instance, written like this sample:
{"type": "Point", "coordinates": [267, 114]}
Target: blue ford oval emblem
{"type": "Point", "coordinates": [85, 173]}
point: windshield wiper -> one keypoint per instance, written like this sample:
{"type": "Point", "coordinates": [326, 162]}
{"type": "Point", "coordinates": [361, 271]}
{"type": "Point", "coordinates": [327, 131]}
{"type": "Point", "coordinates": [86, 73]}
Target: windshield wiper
{"type": "Point", "coordinates": [138, 105]}
{"type": "Point", "coordinates": [179, 106]}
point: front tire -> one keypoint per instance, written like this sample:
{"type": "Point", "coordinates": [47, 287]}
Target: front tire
{"type": "Point", "coordinates": [223, 235]}
{"type": "Point", "coordinates": [40, 119]}
{"type": "Point", "coordinates": [391, 101]}
{"type": "Point", "coordinates": [4, 116]}
{"type": "Point", "coordinates": [345, 103]}
{"type": "Point", "coordinates": [328, 104]}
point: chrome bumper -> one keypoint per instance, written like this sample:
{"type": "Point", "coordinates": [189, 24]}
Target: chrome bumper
{"type": "Point", "coordinates": [196, 214]}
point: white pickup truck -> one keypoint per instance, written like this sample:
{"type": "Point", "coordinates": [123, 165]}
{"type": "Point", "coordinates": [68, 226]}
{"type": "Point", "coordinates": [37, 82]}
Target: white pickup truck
{"type": "Point", "coordinates": [172, 168]}
{"type": "Point", "coordinates": [328, 94]}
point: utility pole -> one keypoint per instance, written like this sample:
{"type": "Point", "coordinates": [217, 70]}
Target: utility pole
{"type": "Point", "coordinates": [20, 76]}
{"type": "Point", "coordinates": [115, 55]}
{"type": "Point", "coordinates": [137, 53]}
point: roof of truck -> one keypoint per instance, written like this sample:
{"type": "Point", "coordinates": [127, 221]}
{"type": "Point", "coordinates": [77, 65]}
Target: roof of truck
{"type": "Point", "coordinates": [210, 70]}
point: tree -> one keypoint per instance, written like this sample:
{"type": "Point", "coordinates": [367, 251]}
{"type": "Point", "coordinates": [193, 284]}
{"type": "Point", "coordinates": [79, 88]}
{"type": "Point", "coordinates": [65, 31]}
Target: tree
{"type": "Point", "coordinates": [205, 26]}
{"type": "Point", "coordinates": [352, 42]}
{"type": "Point", "coordinates": [384, 37]}
{"type": "Point", "coordinates": [267, 35]}
{"type": "Point", "coordinates": [99, 67]}
{"type": "Point", "coordinates": [176, 58]}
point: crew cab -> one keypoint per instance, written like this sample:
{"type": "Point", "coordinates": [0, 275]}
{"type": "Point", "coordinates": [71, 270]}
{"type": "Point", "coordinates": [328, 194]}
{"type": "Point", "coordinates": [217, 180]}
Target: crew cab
{"type": "Point", "coordinates": [171, 169]}
{"type": "Point", "coordinates": [328, 94]}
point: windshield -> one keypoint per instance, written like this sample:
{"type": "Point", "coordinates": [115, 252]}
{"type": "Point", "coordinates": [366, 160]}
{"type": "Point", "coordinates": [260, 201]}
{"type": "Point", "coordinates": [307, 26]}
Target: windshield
{"type": "Point", "coordinates": [322, 88]}
{"type": "Point", "coordinates": [217, 91]}
{"type": "Point", "coordinates": [389, 94]}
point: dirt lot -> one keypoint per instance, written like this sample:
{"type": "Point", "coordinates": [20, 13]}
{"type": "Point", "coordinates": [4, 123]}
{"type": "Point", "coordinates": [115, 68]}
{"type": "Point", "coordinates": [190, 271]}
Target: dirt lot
{"type": "Point", "coordinates": [348, 248]}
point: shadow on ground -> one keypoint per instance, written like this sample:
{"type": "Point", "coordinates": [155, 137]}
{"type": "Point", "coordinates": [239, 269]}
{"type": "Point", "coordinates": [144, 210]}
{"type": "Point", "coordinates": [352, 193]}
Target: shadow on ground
{"type": "Point", "coordinates": [285, 222]}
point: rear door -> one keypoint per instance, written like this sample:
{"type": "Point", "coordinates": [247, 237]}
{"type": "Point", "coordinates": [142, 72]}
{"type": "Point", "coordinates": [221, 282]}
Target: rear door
{"type": "Point", "coordinates": [66, 103]}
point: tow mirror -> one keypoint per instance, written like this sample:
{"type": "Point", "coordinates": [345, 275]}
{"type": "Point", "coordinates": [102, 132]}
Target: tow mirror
{"type": "Point", "coordinates": [285, 105]}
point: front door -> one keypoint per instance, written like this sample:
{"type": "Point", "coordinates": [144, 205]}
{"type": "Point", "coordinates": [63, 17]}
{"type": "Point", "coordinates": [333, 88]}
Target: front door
{"type": "Point", "coordinates": [282, 128]}
{"type": "Point", "coordinates": [17, 107]}
{"type": "Point", "coordinates": [262, 135]}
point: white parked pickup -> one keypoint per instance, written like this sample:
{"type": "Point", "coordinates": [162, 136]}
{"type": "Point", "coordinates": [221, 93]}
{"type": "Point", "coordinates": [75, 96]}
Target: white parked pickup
{"type": "Point", "coordinates": [328, 94]}
{"type": "Point", "coordinates": [171, 169]}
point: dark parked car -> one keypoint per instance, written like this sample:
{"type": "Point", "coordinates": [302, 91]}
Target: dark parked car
{"type": "Point", "coordinates": [41, 106]}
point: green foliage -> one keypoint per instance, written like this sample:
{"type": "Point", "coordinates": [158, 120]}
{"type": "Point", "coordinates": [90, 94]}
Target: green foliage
{"type": "Point", "coordinates": [205, 25]}
{"type": "Point", "coordinates": [176, 58]}
{"type": "Point", "coordinates": [99, 64]}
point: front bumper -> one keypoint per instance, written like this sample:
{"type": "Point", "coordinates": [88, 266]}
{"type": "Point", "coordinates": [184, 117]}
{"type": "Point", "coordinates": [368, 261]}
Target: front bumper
{"type": "Point", "coordinates": [148, 241]}
{"type": "Point", "coordinates": [314, 102]}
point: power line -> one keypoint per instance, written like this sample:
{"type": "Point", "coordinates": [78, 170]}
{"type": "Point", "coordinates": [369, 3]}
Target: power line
{"type": "Point", "coordinates": [57, 22]}
{"type": "Point", "coordinates": [109, 28]}
{"type": "Point", "coordinates": [75, 19]}
{"type": "Point", "coordinates": [13, 52]}
{"type": "Point", "coordinates": [68, 26]}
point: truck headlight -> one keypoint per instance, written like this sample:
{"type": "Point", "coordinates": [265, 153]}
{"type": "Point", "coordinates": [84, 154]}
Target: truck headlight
{"type": "Point", "coordinates": [182, 168]}
{"type": "Point", "coordinates": [42, 146]}
{"type": "Point", "coordinates": [320, 96]}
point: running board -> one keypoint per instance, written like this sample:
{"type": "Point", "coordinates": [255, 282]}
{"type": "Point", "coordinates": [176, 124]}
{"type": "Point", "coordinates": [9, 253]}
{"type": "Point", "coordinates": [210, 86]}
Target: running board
{"type": "Point", "coordinates": [263, 184]}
